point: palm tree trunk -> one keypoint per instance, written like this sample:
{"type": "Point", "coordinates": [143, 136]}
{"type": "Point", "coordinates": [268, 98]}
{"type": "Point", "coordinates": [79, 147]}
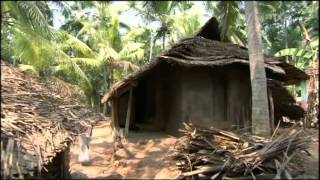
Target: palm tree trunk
{"type": "Point", "coordinates": [98, 101]}
{"type": "Point", "coordinates": [105, 87]}
{"type": "Point", "coordinates": [151, 46]}
{"type": "Point", "coordinates": [260, 108]}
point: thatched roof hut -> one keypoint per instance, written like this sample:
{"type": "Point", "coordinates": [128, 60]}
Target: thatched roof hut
{"type": "Point", "coordinates": [38, 124]}
{"type": "Point", "coordinates": [202, 80]}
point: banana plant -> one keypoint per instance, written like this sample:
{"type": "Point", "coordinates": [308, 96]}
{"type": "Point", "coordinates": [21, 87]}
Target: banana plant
{"type": "Point", "coordinates": [305, 55]}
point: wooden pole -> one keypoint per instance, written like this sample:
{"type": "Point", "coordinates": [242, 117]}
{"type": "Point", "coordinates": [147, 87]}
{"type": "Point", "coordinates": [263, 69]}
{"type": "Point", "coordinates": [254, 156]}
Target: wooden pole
{"type": "Point", "coordinates": [99, 102]}
{"type": "Point", "coordinates": [114, 114]}
{"type": "Point", "coordinates": [126, 132]}
{"type": "Point", "coordinates": [271, 110]}
{"type": "Point", "coordinates": [104, 110]}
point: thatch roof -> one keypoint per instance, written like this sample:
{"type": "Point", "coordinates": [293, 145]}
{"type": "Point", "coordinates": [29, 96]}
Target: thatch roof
{"type": "Point", "coordinates": [205, 50]}
{"type": "Point", "coordinates": [199, 51]}
{"type": "Point", "coordinates": [37, 121]}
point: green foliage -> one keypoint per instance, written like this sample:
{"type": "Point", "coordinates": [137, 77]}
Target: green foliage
{"type": "Point", "coordinates": [301, 37]}
{"type": "Point", "coordinates": [93, 48]}
{"type": "Point", "coordinates": [186, 24]}
{"type": "Point", "coordinates": [24, 20]}
{"type": "Point", "coordinates": [100, 49]}
{"type": "Point", "coordinates": [232, 21]}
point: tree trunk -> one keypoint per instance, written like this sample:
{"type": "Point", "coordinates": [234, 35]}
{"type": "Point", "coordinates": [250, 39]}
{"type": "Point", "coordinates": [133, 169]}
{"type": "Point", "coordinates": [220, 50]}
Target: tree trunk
{"type": "Point", "coordinates": [285, 27]}
{"type": "Point", "coordinates": [104, 109]}
{"type": "Point", "coordinates": [151, 46]}
{"type": "Point", "coordinates": [260, 109]}
{"type": "Point", "coordinates": [98, 102]}
{"type": "Point", "coordinates": [163, 40]}
{"type": "Point", "coordinates": [92, 102]}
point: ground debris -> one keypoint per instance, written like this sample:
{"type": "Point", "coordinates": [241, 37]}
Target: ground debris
{"type": "Point", "coordinates": [218, 154]}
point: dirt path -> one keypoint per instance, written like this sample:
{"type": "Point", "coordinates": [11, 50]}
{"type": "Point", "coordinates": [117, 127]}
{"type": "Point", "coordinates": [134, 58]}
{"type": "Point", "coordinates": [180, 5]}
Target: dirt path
{"type": "Point", "coordinates": [138, 159]}
{"type": "Point", "coordinates": [144, 157]}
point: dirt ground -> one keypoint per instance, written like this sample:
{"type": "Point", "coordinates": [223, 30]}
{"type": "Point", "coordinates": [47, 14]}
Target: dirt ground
{"type": "Point", "coordinates": [143, 157]}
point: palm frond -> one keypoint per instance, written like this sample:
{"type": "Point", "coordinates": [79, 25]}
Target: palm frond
{"type": "Point", "coordinates": [31, 11]}
{"type": "Point", "coordinates": [74, 43]}
{"type": "Point", "coordinates": [294, 52]}
{"type": "Point", "coordinates": [132, 51]}
{"type": "Point", "coordinates": [229, 13]}
{"type": "Point", "coordinates": [87, 61]}
{"type": "Point", "coordinates": [69, 67]}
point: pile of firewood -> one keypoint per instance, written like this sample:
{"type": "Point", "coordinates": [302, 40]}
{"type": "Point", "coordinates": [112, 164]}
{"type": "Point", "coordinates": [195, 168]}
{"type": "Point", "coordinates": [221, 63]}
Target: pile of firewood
{"type": "Point", "coordinates": [218, 154]}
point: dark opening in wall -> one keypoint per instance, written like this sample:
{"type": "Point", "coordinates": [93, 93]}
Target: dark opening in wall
{"type": "Point", "coordinates": [57, 169]}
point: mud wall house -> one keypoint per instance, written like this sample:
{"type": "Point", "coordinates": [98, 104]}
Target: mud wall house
{"type": "Point", "coordinates": [202, 81]}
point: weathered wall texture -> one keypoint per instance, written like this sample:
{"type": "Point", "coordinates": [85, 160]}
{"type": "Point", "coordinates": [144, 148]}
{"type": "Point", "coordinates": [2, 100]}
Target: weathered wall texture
{"type": "Point", "coordinates": [122, 109]}
{"type": "Point", "coordinates": [205, 96]}
{"type": "Point", "coordinates": [218, 97]}
{"type": "Point", "coordinates": [197, 97]}
{"type": "Point", "coordinates": [238, 98]}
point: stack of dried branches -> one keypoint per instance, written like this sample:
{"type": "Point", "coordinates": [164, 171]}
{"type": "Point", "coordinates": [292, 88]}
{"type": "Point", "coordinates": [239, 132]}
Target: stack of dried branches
{"type": "Point", "coordinates": [219, 154]}
{"type": "Point", "coordinates": [37, 120]}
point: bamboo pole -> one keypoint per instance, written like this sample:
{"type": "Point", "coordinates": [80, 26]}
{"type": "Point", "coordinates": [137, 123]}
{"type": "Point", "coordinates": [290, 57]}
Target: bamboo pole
{"type": "Point", "coordinates": [126, 132]}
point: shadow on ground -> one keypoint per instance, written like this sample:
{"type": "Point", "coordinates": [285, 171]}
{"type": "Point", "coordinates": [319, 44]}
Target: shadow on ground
{"type": "Point", "coordinates": [143, 157]}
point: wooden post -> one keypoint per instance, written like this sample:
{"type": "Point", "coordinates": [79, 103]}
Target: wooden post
{"type": "Point", "coordinates": [271, 109]}
{"type": "Point", "coordinates": [115, 127]}
{"type": "Point", "coordinates": [114, 114]}
{"type": "Point", "coordinates": [126, 132]}
{"type": "Point", "coordinates": [99, 102]}
{"type": "Point", "coordinates": [104, 110]}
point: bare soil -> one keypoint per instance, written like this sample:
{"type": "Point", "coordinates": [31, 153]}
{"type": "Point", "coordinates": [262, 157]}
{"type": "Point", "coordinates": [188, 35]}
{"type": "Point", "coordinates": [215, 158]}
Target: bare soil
{"type": "Point", "coordinates": [144, 156]}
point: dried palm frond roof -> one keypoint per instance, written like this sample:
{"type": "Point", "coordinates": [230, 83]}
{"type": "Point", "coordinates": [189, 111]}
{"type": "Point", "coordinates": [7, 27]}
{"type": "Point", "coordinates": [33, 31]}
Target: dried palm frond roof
{"type": "Point", "coordinates": [199, 51]}
{"type": "Point", "coordinates": [37, 121]}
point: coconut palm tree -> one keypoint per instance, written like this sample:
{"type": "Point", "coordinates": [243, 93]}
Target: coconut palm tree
{"type": "Point", "coordinates": [231, 18]}
{"type": "Point", "coordinates": [113, 55]}
{"type": "Point", "coordinates": [44, 51]}
{"type": "Point", "coordinates": [34, 43]}
{"type": "Point", "coordinates": [162, 12]}
{"type": "Point", "coordinates": [260, 108]}
{"type": "Point", "coordinates": [186, 24]}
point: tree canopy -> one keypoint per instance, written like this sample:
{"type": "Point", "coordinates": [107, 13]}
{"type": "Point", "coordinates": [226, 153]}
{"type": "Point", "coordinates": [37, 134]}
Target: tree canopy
{"type": "Point", "coordinates": [94, 48]}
